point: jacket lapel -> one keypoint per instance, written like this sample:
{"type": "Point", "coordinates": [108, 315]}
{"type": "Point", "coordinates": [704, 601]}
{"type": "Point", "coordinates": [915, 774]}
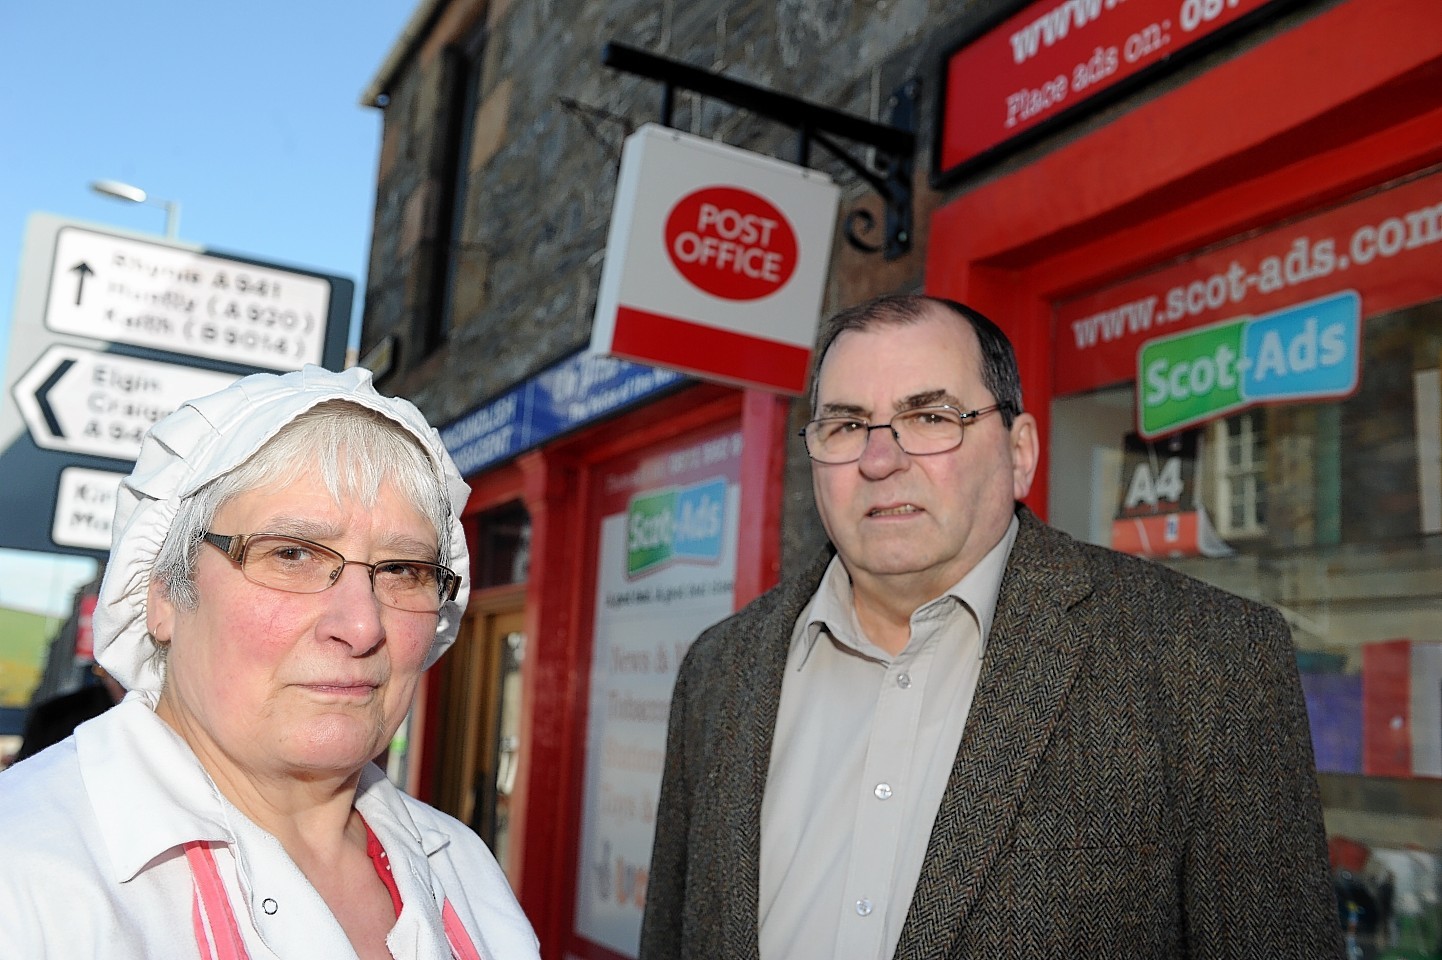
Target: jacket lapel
{"type": "Point", "coordinates": [749, 716]}
{"type": "Point", "coordinates": [1031, 657]}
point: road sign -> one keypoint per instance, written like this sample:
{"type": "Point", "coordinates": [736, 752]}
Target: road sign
{"type": "Point", "coordinates": [80, 401]}
{"type": "Point", "coordinates": [111, 331]}
{"type": "Point", "coordinates": [85, 507]}
{"type": "Point", "coordinates": [124, 290]}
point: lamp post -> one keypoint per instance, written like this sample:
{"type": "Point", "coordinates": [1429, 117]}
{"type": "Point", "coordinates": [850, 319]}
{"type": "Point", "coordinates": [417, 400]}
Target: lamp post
{"type": "Point", "coordinates": [133, 194]}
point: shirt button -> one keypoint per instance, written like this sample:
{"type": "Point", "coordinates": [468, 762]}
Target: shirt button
{"type": "Point", "coordinates": [269, 906]}
{"type": "Point", "coordinates": [863, 908]}
{"type": "Point", "coordinates": [883, 791]}
{"type": "Point", "coordinates": [903, 680]}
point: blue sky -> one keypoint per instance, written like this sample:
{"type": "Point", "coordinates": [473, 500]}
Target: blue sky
{"type": "Point", "coordinates": [248, 115]}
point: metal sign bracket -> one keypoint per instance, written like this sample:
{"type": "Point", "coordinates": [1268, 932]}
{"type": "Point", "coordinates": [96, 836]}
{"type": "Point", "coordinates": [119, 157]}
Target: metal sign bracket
{"type": "Point", "coordinates": [894, 141]}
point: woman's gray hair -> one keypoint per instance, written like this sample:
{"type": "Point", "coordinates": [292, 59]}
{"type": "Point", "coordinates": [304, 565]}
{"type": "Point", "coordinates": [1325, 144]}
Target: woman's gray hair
{"type": "Point", "coordinates": [354, 449]}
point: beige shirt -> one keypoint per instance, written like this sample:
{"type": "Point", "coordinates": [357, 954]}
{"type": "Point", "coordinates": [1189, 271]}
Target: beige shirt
{"type": "Point", "coordinates": [864, 746]}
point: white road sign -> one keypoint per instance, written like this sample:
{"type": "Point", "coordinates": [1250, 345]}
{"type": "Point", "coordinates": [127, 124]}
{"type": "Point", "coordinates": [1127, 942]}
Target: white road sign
{"type": "Point", "coordinates": [84, 508]}
{"type": "Point", "coordinates": [168, 298]}
{"type": "Point", "coordinates": [80, 401]}
{"type": "Point", "coordinates": [112, 330]}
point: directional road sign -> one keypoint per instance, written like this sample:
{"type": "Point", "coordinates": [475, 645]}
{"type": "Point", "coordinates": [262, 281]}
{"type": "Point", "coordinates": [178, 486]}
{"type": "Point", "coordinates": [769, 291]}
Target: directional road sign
{"type": "Point", "coordinates": [155, 295]}
{"type": "Point", "coordinates": [111, 331]}
{"type": "Point", "coordinates": [85, 507]}
{"type": "Point", "coordinates": [80, 401]}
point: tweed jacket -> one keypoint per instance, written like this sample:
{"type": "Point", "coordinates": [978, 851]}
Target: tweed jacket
{"type": "Point", "coordinates": [1135, 779]}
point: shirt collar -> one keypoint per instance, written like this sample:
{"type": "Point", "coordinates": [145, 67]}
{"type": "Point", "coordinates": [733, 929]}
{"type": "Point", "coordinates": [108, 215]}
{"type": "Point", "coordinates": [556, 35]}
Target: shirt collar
{"type": "Point", "coordinates": [148, 790]}
{"type": "Point", "coordinates": [980, 588]}
{"type": "Point", "coordinates": [151, 794]}
{"type": "Point", "coordinates": [831, 607]}
{"type": "Point", "coordinates": [381, 803]}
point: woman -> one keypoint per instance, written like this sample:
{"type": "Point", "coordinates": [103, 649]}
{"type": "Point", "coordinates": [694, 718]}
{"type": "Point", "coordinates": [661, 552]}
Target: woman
{"type": "Point", "coordinates": [284, 566]}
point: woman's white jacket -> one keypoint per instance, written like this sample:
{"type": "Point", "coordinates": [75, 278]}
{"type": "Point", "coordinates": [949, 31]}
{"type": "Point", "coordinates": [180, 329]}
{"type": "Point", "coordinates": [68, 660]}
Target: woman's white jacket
{"type": "Point", "coordinates": [91, 859]}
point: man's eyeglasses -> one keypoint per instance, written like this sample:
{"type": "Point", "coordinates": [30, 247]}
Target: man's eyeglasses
{"type": "Point", "coordinates": [300, 566]}
{"type": "Point", "coordinates": [919, 432]}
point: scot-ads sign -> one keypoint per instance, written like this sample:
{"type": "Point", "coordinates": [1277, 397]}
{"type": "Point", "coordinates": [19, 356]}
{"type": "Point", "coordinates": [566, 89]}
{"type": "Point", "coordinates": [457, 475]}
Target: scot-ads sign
{"type": "Point", "coordinates": [674, 525]}
{"type": "Point", "coordinates": [715, 262]}
{"type": "Point", "coordinates": [1375, 246]}
{"type": "Point", "coordinates": [1307, 352]}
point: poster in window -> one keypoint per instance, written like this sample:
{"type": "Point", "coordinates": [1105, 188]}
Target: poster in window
{"type": "Point", "coordinates": [665, 570]}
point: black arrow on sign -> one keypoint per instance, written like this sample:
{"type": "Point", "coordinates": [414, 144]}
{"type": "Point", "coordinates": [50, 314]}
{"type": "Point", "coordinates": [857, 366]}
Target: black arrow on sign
{"type": "Point", "coordinates": [82, 269]}
{"type": "Point", "coordinates": [52, 421]}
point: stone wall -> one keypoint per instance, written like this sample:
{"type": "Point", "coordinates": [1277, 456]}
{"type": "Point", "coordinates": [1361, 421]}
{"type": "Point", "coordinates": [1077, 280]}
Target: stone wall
{"type": "Point", "coordinates": [539, 177]}
{"type": "Point", "coordinates": [540, 171]}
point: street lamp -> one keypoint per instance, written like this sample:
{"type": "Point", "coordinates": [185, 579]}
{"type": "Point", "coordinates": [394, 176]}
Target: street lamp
{"type": "Point", "coordinates": [133, 194]}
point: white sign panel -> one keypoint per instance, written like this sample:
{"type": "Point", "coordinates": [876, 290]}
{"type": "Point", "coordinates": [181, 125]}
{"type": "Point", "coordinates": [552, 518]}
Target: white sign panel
{"type": "Point", "coordinates": [84, 508]}
{"type": "Point", "coordinates": [125, 290]}
{"type": "Point", "coordinates": [665, 571]}
{"type": "Point", "coordinates": [716, 261]}
{"type": "Point", "coordinates": [80, 401]}
{"type": "Point", "coordinates": [105, 337]}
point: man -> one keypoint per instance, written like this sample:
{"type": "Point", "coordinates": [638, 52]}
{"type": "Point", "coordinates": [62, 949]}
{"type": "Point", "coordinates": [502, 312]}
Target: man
{"type": "Point", "coordinates": [968, 735]}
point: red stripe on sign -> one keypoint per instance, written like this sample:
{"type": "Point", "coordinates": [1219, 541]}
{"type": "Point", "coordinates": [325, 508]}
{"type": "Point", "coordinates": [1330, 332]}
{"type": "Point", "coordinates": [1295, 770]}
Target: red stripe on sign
{"type": "Point", "coordinates": [709, 351]}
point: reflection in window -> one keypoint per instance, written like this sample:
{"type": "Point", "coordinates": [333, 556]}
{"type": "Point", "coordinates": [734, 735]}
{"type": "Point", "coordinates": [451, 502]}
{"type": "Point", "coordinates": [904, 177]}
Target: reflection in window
{"type": "Point", "coordinates": [1239, 473]}
{"type": "Point", "coordinates": [1332, 513]}
{"type": "Point", "coordinates": [503, 546]}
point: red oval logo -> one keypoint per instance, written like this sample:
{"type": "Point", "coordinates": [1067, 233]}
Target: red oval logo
{"type": "Point", "coordinates": [732, 243]}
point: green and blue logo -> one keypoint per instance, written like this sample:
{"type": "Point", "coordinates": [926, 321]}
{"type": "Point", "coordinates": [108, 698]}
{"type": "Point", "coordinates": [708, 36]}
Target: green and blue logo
{"type": "Point", "coordinates": [1305, 352]}
{"type": "Point", "coordinates": [676, 524]}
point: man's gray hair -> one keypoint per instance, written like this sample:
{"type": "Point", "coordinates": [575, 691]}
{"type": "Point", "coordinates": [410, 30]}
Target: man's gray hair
{"type": "Point", "coordinates": [999, 372]}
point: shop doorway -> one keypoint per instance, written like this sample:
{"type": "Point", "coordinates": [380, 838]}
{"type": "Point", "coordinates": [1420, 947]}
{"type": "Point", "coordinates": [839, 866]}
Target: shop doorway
{"type": "Point", "coordinates": [478, 740]}
{"type": "Point", "coordinates": [495, 778]}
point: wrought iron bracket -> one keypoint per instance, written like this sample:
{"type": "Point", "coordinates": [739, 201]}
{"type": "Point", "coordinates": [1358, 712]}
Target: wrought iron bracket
{"type": "Point", "coordinates": [894, 142]}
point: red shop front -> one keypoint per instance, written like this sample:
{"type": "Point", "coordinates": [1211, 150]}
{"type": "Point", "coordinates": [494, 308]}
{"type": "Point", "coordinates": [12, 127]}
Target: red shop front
{"type": "Point", "coordinates": [597, 557]}
{"type": "Point", "coordinates": [1227, 302]}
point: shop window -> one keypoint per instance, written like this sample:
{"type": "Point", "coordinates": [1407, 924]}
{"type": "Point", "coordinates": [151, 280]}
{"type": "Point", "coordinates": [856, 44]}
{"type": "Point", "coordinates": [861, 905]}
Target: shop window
{"type": "Point", "coordinates": [1239, 472]}
{"type": "Point", "coordinates": [461, 90]}
{"type": "Point", "coordinates": [1294, 455]}
{"type": "Point", "coordinates": [503, 547]}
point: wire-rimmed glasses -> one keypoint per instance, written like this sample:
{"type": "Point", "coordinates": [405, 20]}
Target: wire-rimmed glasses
{"type": "Point", "coordinates": [294, 565]}
{"type": "Point", "coordinates": [920, 432]}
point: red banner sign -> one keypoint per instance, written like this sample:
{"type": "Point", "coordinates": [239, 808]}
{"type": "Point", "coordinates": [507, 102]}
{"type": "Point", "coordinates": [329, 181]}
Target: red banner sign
{"type": "Point", "coordinates": [1055, 55]}
{"type": "Point", "coordinates": [1386, 246]}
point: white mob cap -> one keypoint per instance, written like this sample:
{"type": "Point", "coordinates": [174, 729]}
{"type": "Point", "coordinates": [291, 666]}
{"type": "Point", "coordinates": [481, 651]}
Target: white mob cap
{"type": "Point", "coordinates": [205, 439]}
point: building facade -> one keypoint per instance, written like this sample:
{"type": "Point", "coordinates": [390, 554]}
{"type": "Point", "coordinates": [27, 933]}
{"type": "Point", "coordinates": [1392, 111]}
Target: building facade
{"type": "Point", "coordinates": [1212, 227]}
